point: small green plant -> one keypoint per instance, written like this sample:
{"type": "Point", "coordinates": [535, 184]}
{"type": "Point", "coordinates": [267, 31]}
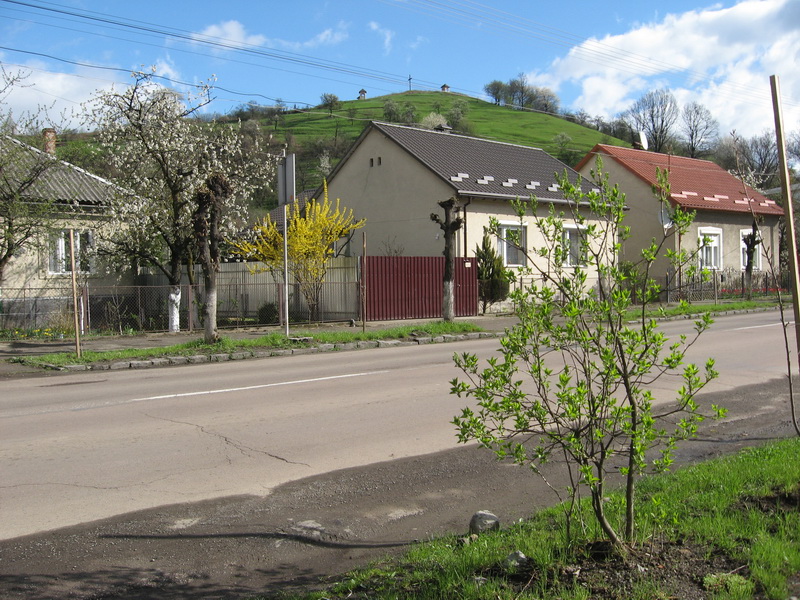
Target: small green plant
{"type": "Point", "coordinates": [728, 585]}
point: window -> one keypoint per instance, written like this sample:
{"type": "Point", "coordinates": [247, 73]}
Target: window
{"type": "Point", "coordinates": [710, 248]}
{"type": "Point", "coordinates": [59, 258]}
{"type": "Point", "coordinates": [512, 239]}
{"type": "Point", "coordinates": [574, 248]}
{"type": "Point", "coordinates": [756, 253]}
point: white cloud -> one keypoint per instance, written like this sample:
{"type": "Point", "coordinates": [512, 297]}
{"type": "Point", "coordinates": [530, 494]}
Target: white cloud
{"type": "Point", "coordinates": [229, 33]}
{"type": "Point", "coordinates": [56, 97]}
{"type": "Point", "coordinates": [386, 34]}
{"type": "Point", "coordinates": [418, 42]}
{"type": "Point", "coordinates": [234, 35]}
{"type": "Point", "coordinates": [721, 57]}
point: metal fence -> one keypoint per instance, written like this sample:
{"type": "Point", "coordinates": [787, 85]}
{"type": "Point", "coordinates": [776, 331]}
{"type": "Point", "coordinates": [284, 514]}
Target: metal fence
{"type": "Point", "coordinates": [722, 285]}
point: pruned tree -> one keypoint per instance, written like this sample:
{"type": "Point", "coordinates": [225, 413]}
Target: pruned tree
{"type": "Point", "coordinates": [452, 222]}
{"type": "Point", "coordinates": [162, 159]}
{"type": "Point", "coordinates": [754, 158]}
{"type": "Point", "coordinates": [312, 233]}
{"type": "Point", "coordinates": [575, 378]}
{"type": "Point", "coordinates": [700, 130]}
{"type": "Point", "coordinates": [655, 114]}
{"type": "Point", "coordinates": [210, 202]}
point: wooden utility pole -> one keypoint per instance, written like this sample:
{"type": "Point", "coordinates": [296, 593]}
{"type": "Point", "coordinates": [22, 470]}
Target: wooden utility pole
{"type": "Point", "coordinates": [75, 306]}
{"type": "Point", "coordinates": [452, 223]}
{"type": "Point", "coordinates": [787, 204]}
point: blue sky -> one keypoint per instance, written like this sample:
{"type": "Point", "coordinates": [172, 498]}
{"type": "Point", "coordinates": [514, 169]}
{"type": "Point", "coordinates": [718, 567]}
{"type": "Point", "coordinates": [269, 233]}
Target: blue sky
{"type": "Point", "coordinates": [596, 59]}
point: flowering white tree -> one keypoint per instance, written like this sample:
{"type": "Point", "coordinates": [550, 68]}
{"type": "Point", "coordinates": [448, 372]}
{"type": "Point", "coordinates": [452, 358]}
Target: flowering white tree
{"type": "Point", "coordinates": [162, 157]}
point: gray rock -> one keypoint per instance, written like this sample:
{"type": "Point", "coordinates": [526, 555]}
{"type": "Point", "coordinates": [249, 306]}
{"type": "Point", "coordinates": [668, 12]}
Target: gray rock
{"type": "Point", "coordinates": [120, 365]}
{"type": "Point", "coordinates": [483, 521]}
{"type": "Point", "coordinates": [220, 357]}
{"type": "Point", "coordinates": [141, 364]}
{"type": "Point", "coordinates": [515, 560]}
{"type": "Point", "coordinates": [197, 358]}
{"type": "Point", "coordinates": [178, 360]}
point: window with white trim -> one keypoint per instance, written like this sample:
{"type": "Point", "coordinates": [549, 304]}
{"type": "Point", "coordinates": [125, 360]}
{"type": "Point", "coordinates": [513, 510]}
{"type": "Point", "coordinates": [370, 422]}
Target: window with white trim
{"type": "Point", "coordinates": [59, 258]}
{"type": "Point", "coordinates": [756, 253]}
{"type": "Point", "coordinates": [710, 254]}
{"type": "Point", "coordinates": [574, 249]}
{"type": "Point", "coordinates": [511, 240]}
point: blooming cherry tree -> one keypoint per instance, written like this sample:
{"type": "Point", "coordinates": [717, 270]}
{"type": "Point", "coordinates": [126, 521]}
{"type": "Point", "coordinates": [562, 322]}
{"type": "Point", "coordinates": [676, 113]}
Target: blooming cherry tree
{"type": "Point", "coordinates": [162, 157]}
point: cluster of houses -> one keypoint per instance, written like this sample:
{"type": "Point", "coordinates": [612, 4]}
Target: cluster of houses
{"type": "Point", "coordinates": [394, 176]}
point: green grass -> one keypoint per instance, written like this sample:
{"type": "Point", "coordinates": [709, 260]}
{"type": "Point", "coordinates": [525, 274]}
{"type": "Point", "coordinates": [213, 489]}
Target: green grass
{"type": "Point", "coordinates": [686, 309]}
{"type": "Point", "coordinates": [722, 507]}
{"type": "Point", "coordinates": [271, 340]}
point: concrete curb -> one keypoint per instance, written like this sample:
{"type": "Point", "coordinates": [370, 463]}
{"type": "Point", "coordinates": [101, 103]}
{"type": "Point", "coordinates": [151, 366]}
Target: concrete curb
{"type": "Point", "coordinates": [244, 355]}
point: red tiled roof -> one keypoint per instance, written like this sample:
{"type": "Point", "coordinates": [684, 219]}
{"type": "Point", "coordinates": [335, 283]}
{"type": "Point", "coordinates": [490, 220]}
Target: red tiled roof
{"type": "Point", "coordinates": [694, 184]}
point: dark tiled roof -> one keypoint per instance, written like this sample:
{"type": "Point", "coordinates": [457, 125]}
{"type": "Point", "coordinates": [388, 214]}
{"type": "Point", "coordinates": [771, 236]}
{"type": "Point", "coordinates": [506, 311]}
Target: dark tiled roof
{"type": "Point", "coordinates": [476, 167]}
{"type": "Point", "coordinates": [694, 184]}
{"type": "Point", "coordinates": [59, 181]}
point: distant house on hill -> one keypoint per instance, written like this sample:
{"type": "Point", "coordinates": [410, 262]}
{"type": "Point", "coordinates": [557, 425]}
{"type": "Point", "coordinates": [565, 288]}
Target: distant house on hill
{"type": "Point", "coordinates": [362, 94]}
{"type": "Point", "coordinates": [394, 177]}
{"type": "Point", "coordinates": [445, 88]}
{"type": "Point", "coordinates": [725, 208]}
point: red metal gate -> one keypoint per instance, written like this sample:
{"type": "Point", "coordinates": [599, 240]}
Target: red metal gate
{"type": "Point", "coordinates": [410, 287]}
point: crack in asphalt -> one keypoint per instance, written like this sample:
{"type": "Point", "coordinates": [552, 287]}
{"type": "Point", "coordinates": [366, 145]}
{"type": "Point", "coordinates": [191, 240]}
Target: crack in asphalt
{"type": "Point", "coordinates": [242, 448]}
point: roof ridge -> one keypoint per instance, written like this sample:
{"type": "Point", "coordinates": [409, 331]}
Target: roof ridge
{"type": "Point", "coordinates": [458, 135]}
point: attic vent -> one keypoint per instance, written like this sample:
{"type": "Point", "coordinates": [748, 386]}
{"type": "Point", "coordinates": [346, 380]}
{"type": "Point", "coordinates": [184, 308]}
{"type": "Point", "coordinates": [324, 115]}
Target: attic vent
{"type": "Point", "coordinates": [486, 180]}
{"type": "Point", "coordinates": [553, 188]}
{"type": "Point", "coordinates": [460, 177]}
{"type": "Point", "coordinates": [532, 185]}
{"type": "Point", "coordinates": [509, 182]}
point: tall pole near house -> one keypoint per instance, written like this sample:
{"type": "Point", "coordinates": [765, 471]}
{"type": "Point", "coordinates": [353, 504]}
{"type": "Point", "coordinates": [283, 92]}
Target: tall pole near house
{"type": "Point", "coordinates": [75, 307]}
{"type": "Point", "coordinates": [787, 204]}
{"type": "Point", "coordinates": [286, 195]}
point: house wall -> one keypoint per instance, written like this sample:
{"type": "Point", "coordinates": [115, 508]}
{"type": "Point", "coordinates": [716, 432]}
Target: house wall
{"type": "Point", "coordinates": [396, 194]}
{"type": "Point", "coordinates": [30, 270]}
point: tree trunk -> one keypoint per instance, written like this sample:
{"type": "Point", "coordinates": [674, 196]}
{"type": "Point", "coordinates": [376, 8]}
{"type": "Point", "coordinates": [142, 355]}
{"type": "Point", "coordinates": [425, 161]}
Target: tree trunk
{"type": "Point", "coordinates": [174, 308]}
{"type": "Point", "coordinates": [448, 301]}
{"type": "Point", "coordinates": [211, 335]}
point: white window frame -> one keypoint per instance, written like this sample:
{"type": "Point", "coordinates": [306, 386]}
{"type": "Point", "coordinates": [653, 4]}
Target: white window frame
{"type": "Point", "coordinates": [711, 250]}
{"type": "Point", "coordinates": [58, 259]}
{"type": "Point", "coordinates": [743, 250]}
{"type": "Point", "coordinates": [571, 236]}
{"type": "Point", "coordinates": [512, 256]}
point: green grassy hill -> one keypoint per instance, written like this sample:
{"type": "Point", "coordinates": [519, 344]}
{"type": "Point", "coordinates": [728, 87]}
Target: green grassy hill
{"type": "Point", "coordinates": [310, 132]}
{"type": "Point", "coordinates": [485, 120]}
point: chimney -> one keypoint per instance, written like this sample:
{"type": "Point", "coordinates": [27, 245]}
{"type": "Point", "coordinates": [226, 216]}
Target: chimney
{"type": "Point", "coordinates": [49, 140]}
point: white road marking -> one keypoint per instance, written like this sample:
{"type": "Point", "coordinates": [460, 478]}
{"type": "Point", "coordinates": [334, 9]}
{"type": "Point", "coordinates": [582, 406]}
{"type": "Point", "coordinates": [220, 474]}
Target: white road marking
{"type": "Point", "coordinates": [760, 326]}
{"type": "Point", "coordinates": [23, 412]}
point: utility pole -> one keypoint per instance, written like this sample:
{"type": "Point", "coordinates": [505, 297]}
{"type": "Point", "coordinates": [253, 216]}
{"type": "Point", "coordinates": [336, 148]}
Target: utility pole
{"type": "Point", "coordinates": [409, 83]}
{"type": "Point", "coordinates": [286, 196]}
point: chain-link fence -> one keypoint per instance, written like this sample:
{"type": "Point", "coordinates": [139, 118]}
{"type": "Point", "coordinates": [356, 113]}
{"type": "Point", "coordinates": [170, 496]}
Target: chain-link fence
{"type": "Point", "coordinates": [126, 309]}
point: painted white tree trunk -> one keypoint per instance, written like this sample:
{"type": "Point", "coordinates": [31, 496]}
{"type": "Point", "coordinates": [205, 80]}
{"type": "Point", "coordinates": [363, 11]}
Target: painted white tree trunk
{"type": "Point", "coordinates": [174, 307]}
{"type": "Point", "coordinates": [448, 302]}
{"type": "Point", "coordinates": [211, 334]}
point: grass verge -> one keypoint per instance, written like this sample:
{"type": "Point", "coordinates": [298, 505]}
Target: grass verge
{"type": "Point", "coordinates": [725, 529]}
{"type": "Point", "coordinates": [271, 340]}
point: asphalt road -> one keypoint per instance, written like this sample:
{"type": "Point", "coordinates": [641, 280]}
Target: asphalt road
{"type": "Point", "coordinates": [88, 446]}
{"type": "Point", "coordinates": [364, 436]}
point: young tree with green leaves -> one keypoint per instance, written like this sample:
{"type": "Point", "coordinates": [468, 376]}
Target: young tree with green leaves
{"type": "Point", "coordinates": [312, 233]}
{"type": "Point", "coordinates": [575, 376]}
{"type": "Point", "coordinates": [162, 158]}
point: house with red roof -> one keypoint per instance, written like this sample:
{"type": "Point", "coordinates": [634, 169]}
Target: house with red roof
{"type": "Point", "coordinates": [724, 208]}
